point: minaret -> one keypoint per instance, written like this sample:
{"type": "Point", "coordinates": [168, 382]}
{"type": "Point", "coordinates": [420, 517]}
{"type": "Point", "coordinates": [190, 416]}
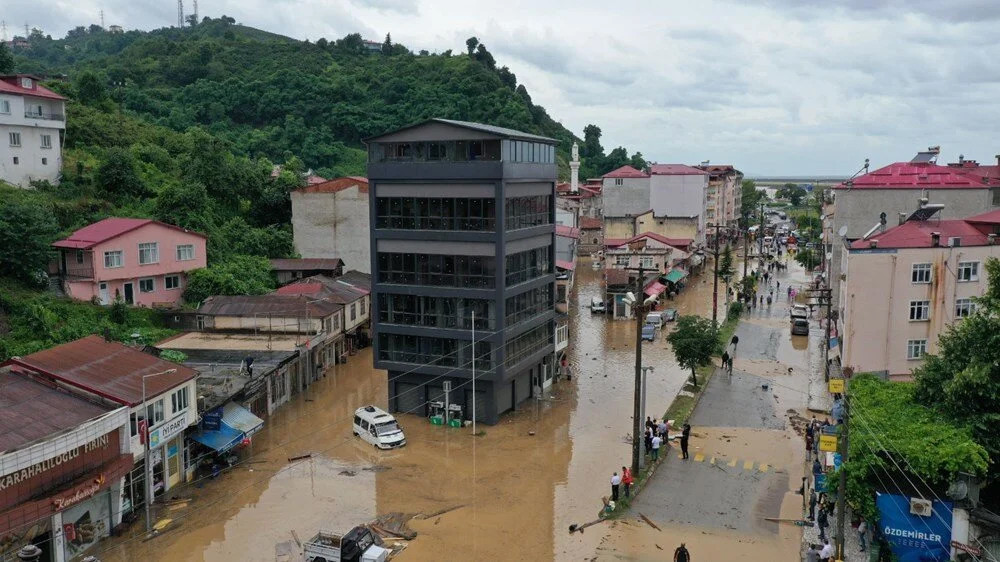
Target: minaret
{"type": "Point", "coordinates": [574, 170]}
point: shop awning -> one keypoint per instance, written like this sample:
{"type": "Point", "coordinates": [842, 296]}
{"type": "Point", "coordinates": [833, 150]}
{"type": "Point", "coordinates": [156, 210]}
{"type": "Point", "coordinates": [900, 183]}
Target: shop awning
{"type": "Point", "coordinates": [676, 275]}
{"type": "Point", "coordinates": [221, 439]}
{"type": "Point", "coordinates": [655, 288]}
{"type": "Point", "coordinates": [241, 419]}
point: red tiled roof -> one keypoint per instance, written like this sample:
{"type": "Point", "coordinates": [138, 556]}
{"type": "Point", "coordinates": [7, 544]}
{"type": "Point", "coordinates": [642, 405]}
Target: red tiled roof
{"type": "Point", "coordinates": [275, 304]}
{"type": "Point", "coordinates": [626, 172]}
{"type": "Point", "coordinates": [10, 84]}
{"type": "Point", "coordinates": [717, 168]}
{"type": "Point", "coordinates": [103, 230]}
{"type": "Point", "coordinates": [917, 234]}
{"type": "Point", "coordinates": [616, 276]}
{"type": "Point", "coordinates": [313, 179]}
{"type": "Point", "coordinates": [304, 264]}
{"type": "Point", "coordinates": [330, 288]}
{"type": "Point", "coordinates": [568, 265]}
{"type": "Point", "coordinates": [675, 170]}
{"type": "Point", "coordinates": [591, 223]}
{"type": "Point", "coordinates": [337, 184]}
{"type": "Point", "coordinates": [991, 217]}
{"type": "Point", "coordinates": [567, 231]}
{"type": "Point", "coordinates": [681, 243]}
{"type": "Point", "coordinates": [918, 175]}
{"type": "Point", "coordinates": [108, 369]}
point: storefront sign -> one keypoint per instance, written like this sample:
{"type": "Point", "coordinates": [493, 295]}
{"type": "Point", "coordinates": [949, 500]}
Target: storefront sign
{"type": "Point", "coordinates": [212, 421]}
{"type": "Point", "coordinates": [915, 538]}
{"type": "Point", "coordinates": [25, 474]}
{"type": "Point", "coordinates": [78, 494]}
{"type": "Point", "coordinates": [836, 386]}
{"type": "Point", "coordinates": [975, 551]}
{"type": "Point", "coordinates": [168, 430]}
{"type": "Point", "coordinates": [828, 443]}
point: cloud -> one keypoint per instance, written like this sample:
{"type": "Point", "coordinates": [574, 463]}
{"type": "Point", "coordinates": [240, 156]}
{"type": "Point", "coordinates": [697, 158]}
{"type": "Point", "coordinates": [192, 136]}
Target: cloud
{"type": "Point", "coordinates": [408, 7]}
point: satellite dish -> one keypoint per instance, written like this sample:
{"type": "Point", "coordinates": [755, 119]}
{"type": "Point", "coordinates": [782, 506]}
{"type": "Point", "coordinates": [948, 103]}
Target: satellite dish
{"type": "Point", "coordinates": [843, 231]}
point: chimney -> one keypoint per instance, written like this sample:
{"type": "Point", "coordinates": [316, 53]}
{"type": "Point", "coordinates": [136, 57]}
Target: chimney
{"type": "Point", "coordinates": [935, 239]}
{"type": "Point", "coordinates": [961, 159]}
{"type": "Point", "coordinates": [902, 218]}
{"type": "Point", "coordinates": [998, 159]}
{"type": "Point", "coordinates": [873, 243]}
{"type": "Point", "coordinates": [991, 239]}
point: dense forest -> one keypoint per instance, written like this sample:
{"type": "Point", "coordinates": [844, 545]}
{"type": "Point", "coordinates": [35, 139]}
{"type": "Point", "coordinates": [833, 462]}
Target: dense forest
{"type": "Point", "coordinates": [187, 126]}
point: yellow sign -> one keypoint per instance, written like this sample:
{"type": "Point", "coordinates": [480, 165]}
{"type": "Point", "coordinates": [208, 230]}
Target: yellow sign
{"type": "Point", "coordinates": [836, 386]}
{"type": "Point", "coordinates": [828, 443]}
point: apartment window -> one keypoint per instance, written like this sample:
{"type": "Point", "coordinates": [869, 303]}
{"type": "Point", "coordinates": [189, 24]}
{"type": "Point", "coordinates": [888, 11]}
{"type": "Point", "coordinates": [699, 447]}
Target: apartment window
{"type": "Point", "coordinates": [179, 400]}
{"type": "Point", "coordinates": [133, 424]}
{"type": "Point", "coordinates": [996, 196]}
{"type": "Point", "coordinates": [619, 181]}
{"type": "Point", "coordinates": [528, 343]}
{"type": "Point", "coordinates": [529, 304]}
{"type": "Point", "coordinates": [528, 265]}
{"type": "Point", "coordinates": [172, 282]}
{"type": "Point", "coordinates": [148, 253]}
{"type": "Point", "coordinates": [45, 161]}
{"type": "Point", "coordinates": [968, 271]}
{"type": "Point", "coordinates": [16, 160]}
{"type": "Point", "coordinates": [46, 141]}
{"type": "Point", "coordinates": [15, 139]}
{"type": "Point", "coordinates": [915, 349]}
{"type": "Point", "coordinates": [964, 307]}
{"type": "Point", "coordinates": [79, 256]}
{"type": "Point", "coordinates": [436, 213]}
{"type": "Point", "coordinates": [920, 310]}
{"type": "Point", "coordinates": [361, 304]}
{"type": "Point", "coordinates": [622, 261]}
{"type": "Point", "coordinates": [353, 312]}
{"type": "Point", "coordinates": [147, 285]}
{"type": "Point", "coordinates": [436, 312]}
{"type": "Point", "coordinates": [525, 212]}
{"type": "Point", "coordinates": [26, 83]}
{"type": "Point", "coordinates": [185, 252]}
{"type": "Point", "coordinates": [154, 412]}
{"type": "Point", "coordinates": [113, 259]}
{"type": "Point", "coordinates": [646, 262]}
{"type": "Point", "coordinates": [5, 107]}
{"type": "Point", "coordinates": [473, 272]}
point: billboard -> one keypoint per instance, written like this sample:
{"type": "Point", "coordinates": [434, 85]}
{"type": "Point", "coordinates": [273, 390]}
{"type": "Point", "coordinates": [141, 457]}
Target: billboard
{"type": "Point", "coordinates": [915, 538]}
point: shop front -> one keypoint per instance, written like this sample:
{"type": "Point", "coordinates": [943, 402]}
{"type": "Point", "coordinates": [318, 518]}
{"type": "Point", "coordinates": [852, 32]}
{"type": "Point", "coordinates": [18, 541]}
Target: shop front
{"type": "Point", "coordinates": [223, 431]}
{"type": "Point", "coordinates": [166, 450]}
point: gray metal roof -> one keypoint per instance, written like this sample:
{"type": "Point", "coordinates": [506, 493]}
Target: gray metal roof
{"type": "Point", "coordinates": [481, 127]}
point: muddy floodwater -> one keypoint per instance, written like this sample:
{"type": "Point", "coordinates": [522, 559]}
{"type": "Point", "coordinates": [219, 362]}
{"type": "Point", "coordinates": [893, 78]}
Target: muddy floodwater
{"type": "Point", "coordinates": [517, 488]}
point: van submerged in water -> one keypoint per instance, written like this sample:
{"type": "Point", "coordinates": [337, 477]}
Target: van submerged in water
{"type": "Point", "coordinates": [378, 427]}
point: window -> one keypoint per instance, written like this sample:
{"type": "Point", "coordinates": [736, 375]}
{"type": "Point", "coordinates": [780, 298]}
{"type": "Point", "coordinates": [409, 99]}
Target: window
{"type": "Point", "coordinates": [15, 139]}
{"type": "Point", "coordinates": [147, 285]}
{"type": "Point", "coordinates": [172, 282]}
{"type": "Point", "coordinates": [619, 181]}
{"type": "Point", "coordinates": [362, 305]}
{"type": "Point", "coordinates": [526, 212]}
{"type": "Point", "coordinates": [45, 161]}
{"type": "Point", "coordinates": [46, 141]}
{"type": "Point", "coordinates": [133, 424]}
{"type": "Point", "coordinates": [154, 412]}
{"type": "Point", "coordinates": [622, 261]}
{"type": "Point", "coordinates": [79, 256]}
{"type": "Point", "coordinates": [920, 310]}
{"type": "Point", "coordinates": [179, 400]}
{"type": "Point", "coordinates": [26, 82]}
{"type": "Point", "coordinates": [646, 262]}
{"type": "Point", "coordinates": [148, 253]}
{"type": "Point", "coordinates": [915, 349]}
{"type": "Point", "coordinates": [113, 259]}
{"type": "Point", "coordinates": [353, 312]}
{"type": "Point", "coordinates": [472, 272]}
{"type": "Point", "coordinates": [964, 307]}
{"type": "Point", "coordinates": [16, 160]}
{"type": "Point", "coordinates": [5, 107]}
{"type": "Point", "coordinates": [185, 252]}
{"type": "Point", "coordinates": [968, 271]}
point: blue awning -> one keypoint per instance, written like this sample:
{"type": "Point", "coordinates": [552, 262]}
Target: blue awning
{"type": "Point", "coordinates": [239, 418]}
{"type": "Point", "coordinates": [221, 439]}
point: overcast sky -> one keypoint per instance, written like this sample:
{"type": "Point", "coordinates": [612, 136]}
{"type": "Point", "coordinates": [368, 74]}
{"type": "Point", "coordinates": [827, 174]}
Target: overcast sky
{"type": "Point", "coordinates": [777, 87]}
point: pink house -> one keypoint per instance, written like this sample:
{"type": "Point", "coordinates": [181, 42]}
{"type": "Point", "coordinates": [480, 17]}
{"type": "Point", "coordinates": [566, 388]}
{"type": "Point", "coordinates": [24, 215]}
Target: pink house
{"type": "Point", "coordinates": [141, 260]}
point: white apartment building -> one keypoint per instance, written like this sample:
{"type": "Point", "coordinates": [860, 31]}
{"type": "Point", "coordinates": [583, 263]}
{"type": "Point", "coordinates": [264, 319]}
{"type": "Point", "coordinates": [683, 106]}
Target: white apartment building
{"type": "Point", "coordinates": [32, 121]}
{"type": "Point", "coordinates": [331, 220]}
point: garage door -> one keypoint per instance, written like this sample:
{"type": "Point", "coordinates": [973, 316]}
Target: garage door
{"type": "Point", "coordinates": [481, 405]}
{"type": "Point", "coordinates": [410, 398]}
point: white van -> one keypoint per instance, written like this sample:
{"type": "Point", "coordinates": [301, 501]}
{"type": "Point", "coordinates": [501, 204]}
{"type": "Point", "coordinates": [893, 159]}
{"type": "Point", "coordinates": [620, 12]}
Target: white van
{"type": "Point", "coordinates": [378, 427]}
{"type": "Point", "coordinates": [597, 305]}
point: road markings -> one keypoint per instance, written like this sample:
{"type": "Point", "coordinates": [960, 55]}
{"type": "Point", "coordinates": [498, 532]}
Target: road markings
{"type": "Point", "coordinates": [698, 457]}
{"type": "Point", "coordinates": [763, 467]}
{"type": "Point", "coordinates": [732, 462]}
{"type": "Point", "coordinates": [712, 461]}
{"type": "Point", "coordinates": [748, 465]}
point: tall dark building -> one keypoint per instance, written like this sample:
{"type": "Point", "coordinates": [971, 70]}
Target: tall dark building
{"type": "Point", "coordinates": [462, 219]}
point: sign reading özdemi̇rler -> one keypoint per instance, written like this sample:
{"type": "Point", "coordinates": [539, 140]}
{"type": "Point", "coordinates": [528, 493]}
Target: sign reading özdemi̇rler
{"type": "Point", "coordinates": [915, 538]}
{"type": "Point", "coordinates": [25, 474]}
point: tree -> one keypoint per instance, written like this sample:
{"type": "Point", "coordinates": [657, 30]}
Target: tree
{"type": "Point", "coordinates": [470, 44]}
{"type": "Point", "coordinates": [638, 162]}
{"type": "Point", "coordinates": [484, 56]}
{"type": "Point", "coordinates": [26, 230]}
{"type": "Point", "coordinates": [694, 340]}
{"type": "Point", "coordinates": [6, 59]}
{"type": "Point", "coordinates": [750, 198]}
{"type": "Point", "coordinates": [726, 269]}
{"type": "Point", "coordinates": [387, 45]}
{"type": "Point", "coordinates": [962, 381]}
{"type": "Point", "coordinates": [90, 88]}
{"type": "Point", "coordinates": [807, 258]}
{"type": "Point", "coordinates": [238, 275]}
{"type": "Point", "coordinates": [592, 142]}
{"type": "Point", "coordinates": [793, 192]}
{"type": "Point", "coordinates": [117, 175]}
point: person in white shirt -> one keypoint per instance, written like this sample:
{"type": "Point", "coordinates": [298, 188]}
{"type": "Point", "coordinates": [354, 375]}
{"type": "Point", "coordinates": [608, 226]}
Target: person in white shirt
{"type": "Point", "coordinates": [656, 447]}
{"type": "Point", "coordinates": [827, 553]}
{"type": "Point", "coordinates": [616, 481]}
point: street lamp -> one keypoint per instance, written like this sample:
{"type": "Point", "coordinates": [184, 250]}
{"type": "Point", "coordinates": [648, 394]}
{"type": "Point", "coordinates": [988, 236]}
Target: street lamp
{"type": "Point", "coordinates": [147, 469]}
{"type": "Point", "coordinates": [639, 308]}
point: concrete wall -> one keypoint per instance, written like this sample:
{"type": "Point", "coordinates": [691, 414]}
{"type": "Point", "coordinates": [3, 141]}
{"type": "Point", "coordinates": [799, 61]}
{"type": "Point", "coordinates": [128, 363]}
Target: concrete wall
{"type": "Point", "coordinates": [671, 227]}
{"type": "Point", "coordinates": [877, 295]}
{"type": "Point", "coordinates": [679, 195]}
{"type": "Point", "coordinates": [30, 154]}
{"type": "Point", "coordinates": [619, 227]}
{"type": "Point", "coordinates": [333, 225]}
{"type": "Point", "coordinates": [630, 198]}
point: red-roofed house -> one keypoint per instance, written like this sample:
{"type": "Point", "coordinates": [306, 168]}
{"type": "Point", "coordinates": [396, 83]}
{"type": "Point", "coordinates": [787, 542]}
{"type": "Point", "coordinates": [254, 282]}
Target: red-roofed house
{"type": "Point", "coordinates": [330, 220]}
{"type": "Point", "coordinates": [903, 287]}
{"type": "Point", "coordinates": [897, 189]}
{"type": "Point", "coordinates": [32, 120]}
{"type": "Point", "coordinates": [142, 261]}
{"type": "Point", "coordinates": [670, 200]}
{"type": "Point", "coordinates": [650, 250]}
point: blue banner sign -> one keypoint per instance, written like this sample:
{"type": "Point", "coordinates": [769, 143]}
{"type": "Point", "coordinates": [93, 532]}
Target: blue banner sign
{"type": "Point", "coordinates": [211, 420]}
{"type": "Point", "coordinates": [915, 538]}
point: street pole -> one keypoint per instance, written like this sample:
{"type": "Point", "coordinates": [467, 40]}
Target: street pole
{"type": "Point", "coordinates": [473, 372]}
{"type": "Point", "coordinates": [637, 420]}
{"type": "Point", "coordinates": [828, 295]}
{"type": "Point", "coordinates": [715, 278]}
{"type": "Point", "coordinates": [842, 490]}
{"type": "Point", "coordinates": [746, 248]}
{"type": "Point", "coordinates": [760, 234]}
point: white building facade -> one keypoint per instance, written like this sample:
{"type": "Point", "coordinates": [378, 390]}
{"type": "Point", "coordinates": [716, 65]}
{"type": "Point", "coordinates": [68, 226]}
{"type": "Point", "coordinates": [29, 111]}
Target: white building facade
{"type": "Point", "coordinates": [331, 220]}
{"type": "Point", "coordinates": [32, 122]}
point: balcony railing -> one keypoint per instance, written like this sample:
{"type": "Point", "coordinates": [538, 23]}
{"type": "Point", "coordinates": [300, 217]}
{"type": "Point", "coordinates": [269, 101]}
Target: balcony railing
{"type": "Point", "coordinates": [48, 116]}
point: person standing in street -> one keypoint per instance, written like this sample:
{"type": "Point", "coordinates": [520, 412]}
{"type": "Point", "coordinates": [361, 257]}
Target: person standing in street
{"type": "Point", "coordinates": [827, 553]}
{"type": "Point", "coordinates": [812, 505]}
{"type": "Point", "coordinates": [616, 481]}
{"type": "Point", "coordinates": [685, 434]}
{"type": "Point", "coordinates": [661, 429]}
{"type": "Point", "coordinates": [627, 480]}
{"type": "Point", "coordinates": [822, 521]}
{"type": "Point", "coordinates": [656, 447]}
{"type": "Point", "coordinates": [809, 445]}
{"type": "Point", "coordinates": [682, 554]}
{"type": "Point", "coordinates": [649, 440]}
{"type": "Point", "coordinates": [863, 534]}
{"type": "Point", "coordinates": [812, 555]}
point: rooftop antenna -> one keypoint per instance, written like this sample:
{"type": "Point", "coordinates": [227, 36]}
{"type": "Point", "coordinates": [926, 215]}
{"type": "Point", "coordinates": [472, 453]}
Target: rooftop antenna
{"type": "Point", "coordinates": [180, 13]}
{"type": "Point", "coordinates": [196, 12]}
{"type": "Point", "coordinates": [3, 31]}
{"type": "Point", "coordinates": [102, 19]}
{"type": "Point", "coordinates": [25, 30]}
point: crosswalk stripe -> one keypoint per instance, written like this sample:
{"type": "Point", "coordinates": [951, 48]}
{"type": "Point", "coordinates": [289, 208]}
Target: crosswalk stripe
{"type": "Point", "coordinates": [763, 468]}
{"type": "Point", "coordinates": [698, 457]}
{"type": "Point", "coordinates": [747, 465]}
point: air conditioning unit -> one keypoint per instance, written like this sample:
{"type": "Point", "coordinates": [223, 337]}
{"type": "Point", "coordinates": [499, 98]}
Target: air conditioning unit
{"type": "Point", "coordinates": [921, 507]}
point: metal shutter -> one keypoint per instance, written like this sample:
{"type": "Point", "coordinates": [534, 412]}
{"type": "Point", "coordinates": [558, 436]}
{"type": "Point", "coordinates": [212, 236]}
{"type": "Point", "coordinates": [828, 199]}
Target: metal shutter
{"type": "Point", "coordinates": [410, 399]}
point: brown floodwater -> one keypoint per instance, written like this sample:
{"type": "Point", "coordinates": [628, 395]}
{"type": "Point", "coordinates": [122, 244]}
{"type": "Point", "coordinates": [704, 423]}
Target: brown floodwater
{"type": "Point", "coordinates": [519, 486]}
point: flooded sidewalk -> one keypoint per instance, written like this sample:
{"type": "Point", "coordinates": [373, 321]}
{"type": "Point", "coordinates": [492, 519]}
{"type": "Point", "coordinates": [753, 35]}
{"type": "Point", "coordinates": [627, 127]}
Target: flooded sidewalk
{"type": "Point", "coordinates": [509, 494]}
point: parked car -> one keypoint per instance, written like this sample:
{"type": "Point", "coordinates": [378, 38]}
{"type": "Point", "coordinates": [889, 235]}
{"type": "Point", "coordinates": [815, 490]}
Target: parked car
{"type": "Point", "coordinates": [800, 327]}
{"type": "Point", "coordinates": [799, 311]}
{"type": "Point", "coordinates": [597, 305]}
{"type": "Point", "coordinates": [669, 314]}
{"type": "Point", "coordinates": [655, 319]}
{"type": "Point", "coordinates": [648, 332]}
{"type": "Point", "coordinates": [378, 427]}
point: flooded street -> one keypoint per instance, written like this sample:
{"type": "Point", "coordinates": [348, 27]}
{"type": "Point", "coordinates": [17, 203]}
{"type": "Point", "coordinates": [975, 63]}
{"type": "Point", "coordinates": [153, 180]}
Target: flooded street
{"type": "Point", "coordinates": [515, 492]}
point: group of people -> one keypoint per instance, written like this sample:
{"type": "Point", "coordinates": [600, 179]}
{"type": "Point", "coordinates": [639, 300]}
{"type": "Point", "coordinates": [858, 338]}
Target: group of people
{"type": "Point", "coordinates": [657, 434]}
{"type": "Point", "coordinates": [618, 480]}
{"type": "Point", "coordinates": [813, 431]}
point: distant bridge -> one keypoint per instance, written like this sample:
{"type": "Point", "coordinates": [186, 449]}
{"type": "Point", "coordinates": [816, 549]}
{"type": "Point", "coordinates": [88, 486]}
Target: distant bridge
{"type": "Point", "coordinates": [778, 181]}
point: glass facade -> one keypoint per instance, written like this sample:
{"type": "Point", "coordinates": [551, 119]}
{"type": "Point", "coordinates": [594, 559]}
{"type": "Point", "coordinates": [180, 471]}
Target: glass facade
{"type": "Point", "coordinates": [470, 272]}
{"type": "Point", "coordinates": [529, 304]}
{"type": "Point", "coordinates": [438, 151]}
{"type": "Point", "coordinates": [528, 265]}
{"type": "Point", "coordinates": [436, 312]}
{"type": "Point", "coordinates": [525, 212]}
{"type": "Point", "coordinates": [438, 352]}
{"type": "Point", "coordinates": [528, 343]}
{"type": "Point", "coordinates": [526, 151]}
{"type": "Point", "coordinates": [435, 213]}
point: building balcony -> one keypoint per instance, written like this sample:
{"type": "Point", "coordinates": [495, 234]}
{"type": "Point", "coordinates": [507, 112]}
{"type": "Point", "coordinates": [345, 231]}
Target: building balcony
{"type": "Point", "coordinates": [45, 116]}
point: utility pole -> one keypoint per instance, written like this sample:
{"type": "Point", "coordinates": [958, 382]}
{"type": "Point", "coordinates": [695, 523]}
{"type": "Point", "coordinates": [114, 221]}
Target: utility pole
{"type": "Point", "coordinates": [842, 490]}
{"type": "Point", "coordinates": [824, 296]}
{"type": "Point", "coordinates": [638, 309]}
{"type": "Point", "coordinates": [746, 248]}
{"type": "Point", "coordinates": [760, 234]}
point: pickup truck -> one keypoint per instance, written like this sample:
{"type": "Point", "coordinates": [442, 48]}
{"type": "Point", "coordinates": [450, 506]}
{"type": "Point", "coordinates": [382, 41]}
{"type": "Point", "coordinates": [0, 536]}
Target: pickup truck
{"type": "Point", "coordinates": [326, 546]}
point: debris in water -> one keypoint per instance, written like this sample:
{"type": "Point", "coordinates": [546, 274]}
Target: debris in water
{"type": "Point", "coordinates": [377, 468]}
{"type": "Point", "coordinates": [650, 523]}
{"type": "Point", "coordinates": [531, 433]}
{"type": "Point", "coordinates": [300, 457]}
{"type": "Point", "coordinates": [347, 473]}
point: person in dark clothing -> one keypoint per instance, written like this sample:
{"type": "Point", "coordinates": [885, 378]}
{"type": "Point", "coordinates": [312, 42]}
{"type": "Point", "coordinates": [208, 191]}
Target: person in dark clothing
{"type": "Point", "coordinates": [822, 521]}
{"type": "Point", "coordinates": [649, 440]}
{"type": "Point", "coordinates": [682, 554]}
{"type": "Point", "coordinates": [812, 505]}
{"type": "Point", "coordinates": [685, 434]}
